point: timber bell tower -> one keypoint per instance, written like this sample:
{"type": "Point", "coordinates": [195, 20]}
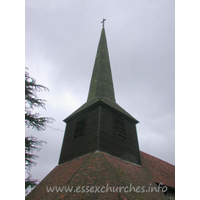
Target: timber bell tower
{"type": "Point", "coordinates": [101, 124]}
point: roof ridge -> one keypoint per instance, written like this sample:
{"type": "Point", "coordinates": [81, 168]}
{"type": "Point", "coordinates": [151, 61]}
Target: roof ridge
{"type": "Point", "coordinates": [89, 158]}
{"type": "Point", "coordinates": [156, 158]}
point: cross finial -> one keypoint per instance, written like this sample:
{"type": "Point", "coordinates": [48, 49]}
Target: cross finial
{"type": "Point", "coordinates": [103, 21]}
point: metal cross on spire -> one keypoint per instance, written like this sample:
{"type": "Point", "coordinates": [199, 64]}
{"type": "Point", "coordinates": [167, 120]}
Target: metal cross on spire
{"type": "Point", "coordinates": [103, 21]}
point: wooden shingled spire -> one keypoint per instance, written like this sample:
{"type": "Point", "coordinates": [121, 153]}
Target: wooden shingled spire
{"type": "Point", "coordinates": [101, 85]}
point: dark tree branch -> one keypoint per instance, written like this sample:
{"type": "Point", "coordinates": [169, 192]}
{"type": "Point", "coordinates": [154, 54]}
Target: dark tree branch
{"type": "Point", "coordinates": [34, 121]}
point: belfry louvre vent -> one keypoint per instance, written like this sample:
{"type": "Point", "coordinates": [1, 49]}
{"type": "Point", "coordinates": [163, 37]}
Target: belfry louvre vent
{"type": "Point", "coordinates": [120, 128]}
{"type": "Point", "coordinates": [80, 126]}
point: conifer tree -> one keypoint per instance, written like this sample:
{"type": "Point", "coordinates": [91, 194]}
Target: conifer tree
{"type": "Point", "coordinates": [34, 121]}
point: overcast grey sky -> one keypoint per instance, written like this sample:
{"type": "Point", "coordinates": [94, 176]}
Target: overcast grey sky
{"type": "Point", "coordinates": [61, 44]}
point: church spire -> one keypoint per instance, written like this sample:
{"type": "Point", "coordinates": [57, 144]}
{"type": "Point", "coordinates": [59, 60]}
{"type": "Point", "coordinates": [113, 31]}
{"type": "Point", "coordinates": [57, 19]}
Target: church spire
{"type": "Point", "coordinates": [101, 85]}
{"type": "Point", "coordinates": [101, 124]}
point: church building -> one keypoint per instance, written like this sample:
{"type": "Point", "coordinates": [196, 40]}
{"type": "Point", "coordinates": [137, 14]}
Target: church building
{"type": "Point", "coordinates": [100, 156]}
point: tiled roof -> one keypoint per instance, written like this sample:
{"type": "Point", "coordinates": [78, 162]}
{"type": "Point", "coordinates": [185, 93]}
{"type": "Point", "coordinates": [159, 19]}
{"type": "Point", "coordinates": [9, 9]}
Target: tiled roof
{"type": "Point", "coordinates": [101, 169]}
{"type": "Point", "coordinates": [161, 171]}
